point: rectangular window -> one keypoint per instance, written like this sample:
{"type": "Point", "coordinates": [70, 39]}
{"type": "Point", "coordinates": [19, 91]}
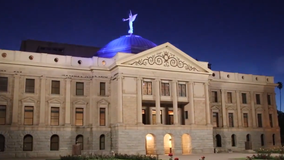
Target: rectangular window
{"type": "Point", "coordinates": [55, 87]}
{"type": "Point", "coordinates": [215, 119]}
{"type": "Point", "coordinates": [268, 99]}
{"type": "Point", "coordinates": [30, 86]}
{"type": "Point", "coordinates": [147, 88]}
{"type": "Point", "coordinates": [2, 114]}
{"type": "Point", "coordinates": [79, 88]}
{"type": "Point", "coordinates": [259, 120]}
{"type": "Point", "coordinates": [171, 116]}
{"type": "Point", "coordinates": [54, 116]}
{"type": "Point", "coordinates": [244, 98]}
{"type": "Point", "coordinates": [271, 120]}
{"type": "Point", "coordinates": [144, 117]}
{"type": "Point", "coordinates": [79, 116]}
{"type": "Point", "coordinates": [28, 115]}
{"type": "Point", "coordinates": [215, 96]}
{"type": "Point", "coordinates": [257, 98]}
{"type": "Point", "coordinates": [182, 90]}
{"type": "Point", "coordinates": [102, 116]}
{"type": "Point", "coordinates": [245, 118]}
{"type": "Point", "coordinates": [154, 117]}
{"type": "Point", "coordinates": [165, 89]}
{"type": "Point", "coordinates": [229, 97]}
{"type": "Point", "coordinates": [102, 88]}
{"type": "Point", "coordinates": [3, 84]}
{"type": "Point", "coordinates": [231, 120]}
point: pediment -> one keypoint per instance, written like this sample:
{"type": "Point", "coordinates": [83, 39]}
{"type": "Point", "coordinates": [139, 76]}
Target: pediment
{"type": "Point", "coordinates": [215, 108]}
{"type": "Point", "coordinates": [103, 101]}
{"type": "Point", "coordinates": [4, 99]}
{"type": "Point", "coordinates": [54, 101]}
{"type": "Point", "coordinates": [29, 100]}
{"type": "Point", "coordinates": [165, 57]}
{"type": "Point", "coordinates": [80, 102]}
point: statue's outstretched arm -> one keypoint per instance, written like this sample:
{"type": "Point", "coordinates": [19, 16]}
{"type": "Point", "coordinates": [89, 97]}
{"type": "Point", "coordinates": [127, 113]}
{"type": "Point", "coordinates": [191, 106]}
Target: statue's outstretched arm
{"type": "Point", "coordinates": [125, 19]}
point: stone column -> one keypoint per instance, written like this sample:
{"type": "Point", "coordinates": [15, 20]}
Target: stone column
{"type": "Point", "coordinates": [265, 112]}
{"type": "Point", "coordinates": [240, 124]}
{"type": "Point", "coordinates": [42, 100]}
{"type": "Point", "coordinates": [91, 110]}
{"type": "Point", "coordinates": [119, 99]}
{"type": "Point", "coordinates": [157, 101]}
{"type": "Point", "coordinates": [68, 102]}
{"type": "Point", "coordinates": [175, 101]}
{"type": "Point", "coordinates": [224, 114]}
{"type": "Point", "coordinates": [208, 110]}
{"type": "Point", "coordinates": [275, 114]}
{"type": "Point", "coordinates": [15, 100]}
{"type": "Point", "coordinates": [191, 103]}
{"type": "Point", "coordinates": [253, 110]}
{"type": "Point", "coordinates": [139, 100]}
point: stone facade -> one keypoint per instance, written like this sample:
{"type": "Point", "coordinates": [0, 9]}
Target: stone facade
{"type": "Point", "coordinates": [118, 112]}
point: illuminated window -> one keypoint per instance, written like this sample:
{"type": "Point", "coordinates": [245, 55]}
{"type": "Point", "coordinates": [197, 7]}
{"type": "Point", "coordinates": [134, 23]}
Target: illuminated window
{"type": "Point", "coordinates": [30, 86]}
{"type": "Point", "coordinates": [55, 87]}
{"type": "Point", "coordinates": [102, 116]}
{"type": "Point", "coordinates": [79, 88]}
{"type": "Point", "coordinates": [244, 98]}
{"type": "Point", "coordinates": [102, 142]}
{"type": "Point", "coordinates": [102, 88]}
{"type": "Point", "coordinates": [28, 143]}
{"type": "Point", "coordinates": [2, 114]}
{"type": "Point", "coordinates": [3, 84]}
{"type": "Point", "coordinates": [259, 120]}
{"type": "Point", "coordinates": [245, 118]}
{"type": "Point", "coordinates": [29, 115]}
{"type": "Point", "coordinates": [2, 143]}
{"type": "Point", "coordinates": [257, 98]}
{"type": "Point", "coordinates": [231, 120]}
{"type": "Point", "coordinates": [182, 90]}
{"type": "Point", "coordinates": [147, 88]}
{"type": "Point", "coordinates": [214, 96]}
{"type": "Point", "coordinates": [154, 116]}
{"type": "Point", "coordinates": [165, 89]}
{"type": "Point", "coordinates": [229, 97]}
{"type": "Point", "coordinates": [215, 119]}
{"type": "Point", "coordinates": [54, 116]}
{"type": "Point", "coordinates": [54, 143]}
{"type": "Point", "coordinates": [171, 116]}
{"type": "Point", "coordinates": [80, 141]}
{"type": "Point", "coordinates": [79, 116]}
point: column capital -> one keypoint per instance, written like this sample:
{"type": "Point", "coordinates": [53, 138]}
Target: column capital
{"type": "Point", "coordinates": [42, 77]}
{"type": "Point", "coordinates": [139, 78]}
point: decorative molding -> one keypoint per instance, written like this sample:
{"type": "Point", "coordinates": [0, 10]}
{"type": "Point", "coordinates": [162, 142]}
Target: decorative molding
{"type": "Point", "coordinates": [80, 102]}
{"type": "Point", "coordinates": [4, 99]}
{"type": "Point", "coordinates": [166, 59]}
{"type": "Point", "coordinates": [54, 101]}
{"type": "Point", "coordinates": [29, 100]}
{"type": "Point", "coordinates": [103, 101]}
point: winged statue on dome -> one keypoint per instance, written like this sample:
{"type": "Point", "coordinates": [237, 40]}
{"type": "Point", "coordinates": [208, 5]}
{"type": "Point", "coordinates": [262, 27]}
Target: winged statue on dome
{"type": "Point", "coordinates": [131, 19]}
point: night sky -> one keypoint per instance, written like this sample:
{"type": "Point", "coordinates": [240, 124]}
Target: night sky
{"type": "Point", "coordinates": [244, 36]}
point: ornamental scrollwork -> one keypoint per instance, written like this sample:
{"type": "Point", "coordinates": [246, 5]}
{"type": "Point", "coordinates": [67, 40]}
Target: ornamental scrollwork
{"type": "Point", "coordinates": [166, 59]}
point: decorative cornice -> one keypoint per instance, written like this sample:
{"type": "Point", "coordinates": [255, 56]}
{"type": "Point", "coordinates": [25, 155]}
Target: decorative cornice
{"type": "Point", "coordinates": [164, 58]}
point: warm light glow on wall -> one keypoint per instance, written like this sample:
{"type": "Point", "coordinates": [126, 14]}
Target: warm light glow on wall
{"type": "Point", "coordinates": [170, 141]}
{"type": "Point", "coordinates": [149, 137]}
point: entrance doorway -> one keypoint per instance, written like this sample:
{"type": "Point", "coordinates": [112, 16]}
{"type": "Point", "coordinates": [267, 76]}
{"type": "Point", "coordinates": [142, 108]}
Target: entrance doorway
{"type": "Point", "coordinates": [168, 144]}
{"type": "Point", "coordinates": [150, 144]}
{"type": "Point", "coordinates": [186, 144]}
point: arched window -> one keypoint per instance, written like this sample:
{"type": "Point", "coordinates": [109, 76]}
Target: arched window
{"type": "Point", "coordinates": [2, 143]}
{"type": "Point", "coordinates": [80, 140]}
{"type": "Point", "coordinates": [273, 139]}
{"type": "Point", "coordinates": [218, 141]}
{"type": "Point", "coordinates": [262, 139]}
{"type": "Point", "coordinates": [102, 142]}
{"type": "Point", "coordinates": [248, 137]}
{"type": "Point", "coordinates": [28, 143]}
{"type": "Point", "coordinates": [233, 140]}
{"type": "Point", "coordinates": [54, 143]}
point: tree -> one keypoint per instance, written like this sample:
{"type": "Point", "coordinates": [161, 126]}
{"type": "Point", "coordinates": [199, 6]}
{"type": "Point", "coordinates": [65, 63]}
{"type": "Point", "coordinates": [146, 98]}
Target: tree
{"type": "Point", "coordinates": [280, 87]}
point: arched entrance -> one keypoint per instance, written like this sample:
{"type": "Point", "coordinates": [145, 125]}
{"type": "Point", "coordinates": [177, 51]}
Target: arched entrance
{"type": "Point", "coordinates": [218, 141]}
{"type": "Point", "coordinates": [168, 144]}
{"type": "Point", "coordinates": [186, 144]}
{"type": "Point", "coordinates": [150, 144]}
{"type": "Point", "coordinates": [248, 137]}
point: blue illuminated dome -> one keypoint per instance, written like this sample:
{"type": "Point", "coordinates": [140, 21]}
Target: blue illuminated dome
{"type": "Point", "coordinates": [127, 44]}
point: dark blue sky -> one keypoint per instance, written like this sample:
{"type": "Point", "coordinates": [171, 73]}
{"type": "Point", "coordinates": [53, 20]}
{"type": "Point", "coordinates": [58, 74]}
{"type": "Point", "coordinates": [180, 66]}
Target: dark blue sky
{"type": "Point", "coordinates": [244, 36]}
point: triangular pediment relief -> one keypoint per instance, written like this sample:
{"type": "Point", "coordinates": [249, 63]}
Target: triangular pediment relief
{"type": "Point", "coordinates": [55, 101]}
{"type": "Point", "coordinates": [29, 100]}
{"type": "Point", "coordinates": [215, 108]}
{"type": "Point", "coordinates": [165, 57]}
{"type": "Point", "coordinates": [103, 101]}
{"type": "Point", "coordinates": [245, 109]}
{"type": "Point", "coordinates": [4, 99]}
{"type": "Point", "coordinates": [80, 102]}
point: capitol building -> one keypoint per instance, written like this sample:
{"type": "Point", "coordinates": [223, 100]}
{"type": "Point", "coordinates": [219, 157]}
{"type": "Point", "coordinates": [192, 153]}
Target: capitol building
{"type": "Point", "coordinates": [131, 96]}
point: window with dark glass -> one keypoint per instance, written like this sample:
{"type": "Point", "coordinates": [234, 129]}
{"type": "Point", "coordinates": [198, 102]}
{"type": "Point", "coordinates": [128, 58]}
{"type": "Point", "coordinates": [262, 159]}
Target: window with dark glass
{"type": "Point", "coordinates": [28, 143]}
{"type": "Point", "coordinates": [229, 97]}
{"type": "Point", "coordinates": [231, 120]}
{"type": "Point", "coordinates": [102, 88]}
{"type": "Point", "coordinates": [3, 84]}
{"type": "Point", "coordinates": [102, 116]}
{"type": "Point", "coordinates": [80, 141]}
{"type": "Point", "coordinates": [259, 120]}
{"type": "Point", "coordinates": [244, 98]}
{"type": "Point", "coordinates": [262, 139]}
{"type": "Point", "coordinates": [54, 116]}
{"type": "Point", "coordinates": [215, 96]}
{"type": "Point", "coordinates": [273, 139]}
{"type": "Point", "coordinates": [2, 114]}
{"type": "Point", "coordinates": [233, 140]}
{"type": "Point", "coordinates": [271, 120]}
{"type": "Point", "coordinates": [79, 116]}
{"type": "Point", "coordinates": [30, 86]}
{"type": "Point", "coordinates": [268, 99]}
{"type": "Point", "coordinates": [257, 98]}
{"type": "Point", "coordinates": [245, 118]}
{"type": "Point", "coordinates": [55, 87]}
{"type": "Point", "coordinates": [54, 143]}
{"type": "Point", "coordinates": [102, 142]}
{"type": "Point", "coordinates": [2, 143]}
{"type": "Point", "coordinates": [218, 140]}
{"type": "Point", "coordinates": [28, 115]}
{"type": "Point", "coordinates": [147, 88]}
{"type": "Point", "coordinates": [79, 88]}
{"type": "Point", "coordinates": [215, 119]}
{"type": "Point", "coordinates": [165, 89]}
{"type": "Point", "coordinates": [182, 90]}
